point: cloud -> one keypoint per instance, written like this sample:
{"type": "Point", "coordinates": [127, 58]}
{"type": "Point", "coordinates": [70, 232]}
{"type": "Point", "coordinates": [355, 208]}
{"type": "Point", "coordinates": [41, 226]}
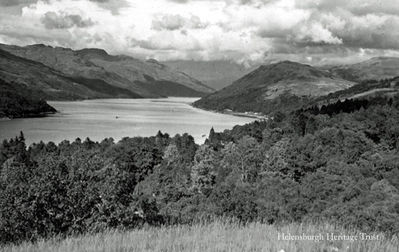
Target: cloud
{"type": "Point", "coordinates": [242, 30]}
{"type": "Point", "coordinates": [335, 26]}
{"type": "Point", "coordinates": [315, 33]}
{"type": "Point", "coordinates": [112, 5]}
{"type": "Point", "coordinates": [371, 31]}
{"type": "Point", "coordinates": [16, 2]}
{"type": "Point", "coordinates": [166, 41]}
{"type": "Point", "coordinates": [168, 22]}
{"type": "Point", "coordinates": [179, 1]}
{"type": "Point", "coordinates": [195, 23]}
{"type": "Point", "coordinates": [53, 20]}
{"type": "Point", "coordinates": [176, 22]}
{"type": "Point", "coordinates": [356, 7]}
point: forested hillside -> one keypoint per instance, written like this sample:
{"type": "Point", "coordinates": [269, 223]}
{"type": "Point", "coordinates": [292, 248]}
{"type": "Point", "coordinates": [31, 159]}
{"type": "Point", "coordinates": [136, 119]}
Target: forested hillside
{"type": "Point", "coordinates": [341, 166]}
{"type": "Point", "coordinates": [282, 86]}
{"type": "Point", "coordinates": [16, 102]}
{"type": "Point", "coordinates": [367, 89]}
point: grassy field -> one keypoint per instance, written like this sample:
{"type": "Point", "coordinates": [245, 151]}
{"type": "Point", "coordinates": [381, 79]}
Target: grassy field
{"type": "Point", "coordinates": [216, 236]}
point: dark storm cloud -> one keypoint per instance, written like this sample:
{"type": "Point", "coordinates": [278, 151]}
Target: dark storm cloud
{"type": "Point", "coordinates": [52, 20]}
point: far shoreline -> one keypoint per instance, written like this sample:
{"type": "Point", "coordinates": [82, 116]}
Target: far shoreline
{"type": "Point", "coordinates": [30, 115]}
{"type": "Point", "coordinates": [253, 115]}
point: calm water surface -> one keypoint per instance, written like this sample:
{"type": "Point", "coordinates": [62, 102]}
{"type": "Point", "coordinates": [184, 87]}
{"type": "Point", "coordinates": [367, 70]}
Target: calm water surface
{"type": "Point", "coordinates": [118, 118]}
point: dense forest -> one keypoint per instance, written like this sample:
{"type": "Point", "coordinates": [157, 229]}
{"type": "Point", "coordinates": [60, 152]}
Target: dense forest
{"type": "Point", "coordinates": [15, 102]}
{"type": "Point", "coordinates": [309, 165]}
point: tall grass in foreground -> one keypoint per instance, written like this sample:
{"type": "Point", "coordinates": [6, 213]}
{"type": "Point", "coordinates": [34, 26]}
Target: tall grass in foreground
{"type": "Point", "coordinates": [215, 236]}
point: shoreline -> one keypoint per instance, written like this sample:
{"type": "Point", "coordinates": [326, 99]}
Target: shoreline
{"type": "Point", "coordinates": [254, 115]}
{"type": "Point", "coordinates": [31, 115]}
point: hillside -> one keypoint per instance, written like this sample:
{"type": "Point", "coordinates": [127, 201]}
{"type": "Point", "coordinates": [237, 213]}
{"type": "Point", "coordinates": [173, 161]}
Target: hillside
{"type": "Point", "coordinates": [368, 89]}
{"type": "Point", "coordinates": [121, 72]}
{"type": "Point", "coordinates": [15, 105]}
{"type": "Point", "coordinates": [215, 74]}
{"type": "Point", "coordinates": [283, 86]}
{"type": "Point", "coordinates": [373, 69]}
{"type": "Point", "coordinates": [216, 236]}
{"type": "Point", "coordinates": [46, 83]}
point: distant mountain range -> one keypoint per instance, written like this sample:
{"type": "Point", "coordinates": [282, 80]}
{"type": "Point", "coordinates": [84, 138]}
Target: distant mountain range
{"type": "Point", "coordinates": [215, 74]}
{"type": "Point", "coordinates": [44, 82]}
{"type": "Point", "coordinates": [373, 69]}
{"type": "Point", "coordinates": [289, 85]}
{"type": "Point", "coordinates": [62, 73]}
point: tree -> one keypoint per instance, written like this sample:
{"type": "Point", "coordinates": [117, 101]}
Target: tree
{"type": "Point", "coordinates": [243, 159]}
{"type": "Point", "coordinates": [171, 154]}
{"type": "Point", "coordinates": [203, 172]}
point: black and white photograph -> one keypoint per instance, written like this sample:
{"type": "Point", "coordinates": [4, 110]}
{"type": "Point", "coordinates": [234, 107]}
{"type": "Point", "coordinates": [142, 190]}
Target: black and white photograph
{"type": "Point", "coordinates": [199, 125]}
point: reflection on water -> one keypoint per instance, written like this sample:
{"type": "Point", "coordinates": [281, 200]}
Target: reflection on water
{"type": "Point", "coordinates": [118, 118]}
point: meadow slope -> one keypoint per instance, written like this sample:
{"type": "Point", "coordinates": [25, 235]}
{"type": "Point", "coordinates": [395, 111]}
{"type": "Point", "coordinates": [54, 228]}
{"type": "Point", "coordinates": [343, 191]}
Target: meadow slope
{"type": "Point", "coordinates": [216, 236]}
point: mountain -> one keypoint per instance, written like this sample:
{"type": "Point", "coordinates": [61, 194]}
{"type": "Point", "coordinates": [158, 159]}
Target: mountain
{"type": "Point", "coordinates": [373, 69]}
{"type": "Point", "coordinates": [215, 74]}
{"type": "Point", "coordinates": [280, 86]}
{"type": "Point", "coordinates": [87, 67]}
{"type": "Point", "coordinates": [15, 105]}
{"type": "Point", "coordinates": [38, 81]}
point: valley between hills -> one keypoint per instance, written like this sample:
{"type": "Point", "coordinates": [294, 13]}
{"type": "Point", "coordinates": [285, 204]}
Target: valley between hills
{"type": "Point", "coordinates": [37, 73]}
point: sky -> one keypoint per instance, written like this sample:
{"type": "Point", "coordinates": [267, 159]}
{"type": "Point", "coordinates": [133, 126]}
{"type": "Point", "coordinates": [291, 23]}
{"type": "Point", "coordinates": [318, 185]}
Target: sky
{"type": "Point", "coordinates": [316, 32]}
